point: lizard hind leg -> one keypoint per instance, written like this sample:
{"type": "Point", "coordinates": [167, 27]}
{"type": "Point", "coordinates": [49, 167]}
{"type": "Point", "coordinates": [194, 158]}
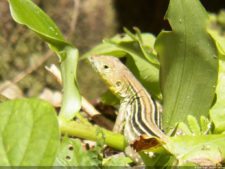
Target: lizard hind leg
{"type": "Point", "coordinates": [130, 152]}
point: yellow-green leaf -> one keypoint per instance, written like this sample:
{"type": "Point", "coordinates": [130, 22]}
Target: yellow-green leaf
{"type": "Point", "coordinates": [189, 64]}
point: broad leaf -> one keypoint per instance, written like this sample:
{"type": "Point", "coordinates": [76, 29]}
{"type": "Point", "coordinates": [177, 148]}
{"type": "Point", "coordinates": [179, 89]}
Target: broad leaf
{"type": "Point", "coordinates": [29, 133]}
{"type": "Point", "coordinates": [188, 60]}
{"type": "Point", "coordinates": [200, 150]}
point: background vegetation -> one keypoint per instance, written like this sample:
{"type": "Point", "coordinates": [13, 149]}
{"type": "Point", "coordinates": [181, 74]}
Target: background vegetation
{"type": "Point", "coordinates": [185, 67]}
{"type": "Point", "coordinates": [95, 20]}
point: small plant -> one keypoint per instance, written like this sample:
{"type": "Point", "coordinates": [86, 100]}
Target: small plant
{"type": "Point", "coordinates": [182, 68]}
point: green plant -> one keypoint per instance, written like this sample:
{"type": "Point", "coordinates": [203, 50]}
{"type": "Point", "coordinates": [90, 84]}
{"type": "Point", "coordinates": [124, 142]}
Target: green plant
{"type": "Point", "coordinates": [186, 63]}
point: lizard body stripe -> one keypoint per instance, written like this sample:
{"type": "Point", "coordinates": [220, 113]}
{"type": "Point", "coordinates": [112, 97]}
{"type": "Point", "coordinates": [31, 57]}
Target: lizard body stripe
{"type": "Point", "coordinates": [140, 112]}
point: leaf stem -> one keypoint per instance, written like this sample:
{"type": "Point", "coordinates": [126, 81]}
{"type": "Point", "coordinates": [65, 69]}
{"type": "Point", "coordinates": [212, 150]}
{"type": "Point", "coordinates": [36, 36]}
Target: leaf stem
{"type": "Point", "coordinates": [71, 102]}
{"type": "Point", "coordinates": [77, 129]}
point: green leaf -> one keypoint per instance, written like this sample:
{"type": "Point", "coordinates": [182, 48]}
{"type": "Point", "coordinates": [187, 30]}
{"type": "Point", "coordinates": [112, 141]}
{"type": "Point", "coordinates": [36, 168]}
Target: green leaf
{"type": "Point", "coordinates": [27, 13]}
{"type": "Point", "coordinates": [117, 160]}
{"type": "Point", "coordinates": [159, 160]}
{"type": "Point", "coordinates": [72, 153]}
{"type": "Point", "coordinates": [146, 73]}
{"type": "Point", "coordinates": [104, 49]}
{"type": "Point", "coordinates": [201, 150]}
{"type": "Point", "coordinates": [146, 42]}
{"type": "Point", "coordinates": [188, 60]}
{"type": "Point", "coordinates": [220, 42]}
{"type": "Point", "coordinates": [183, 129]}
{"type": "Point", "coordinates": [29, 133]}
{"type": "Point", "coordinates": [205, 125]}
{"type": "Point", "coordinates": [193, 125]}
{"type": "Point", "coordinates": [217, 112]}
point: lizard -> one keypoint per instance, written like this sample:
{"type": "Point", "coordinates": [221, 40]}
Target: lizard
{"type": "Point", "coordinates": [138, 114]}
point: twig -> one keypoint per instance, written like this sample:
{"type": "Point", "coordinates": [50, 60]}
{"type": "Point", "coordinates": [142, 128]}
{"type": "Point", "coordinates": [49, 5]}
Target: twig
{"type": "Point", "coordinates": [55, 72]}
{"type": "Point", "coordinates": [74, 17]}
{"type": "Point", "coordinates": [88, 107]}
{"type": "Point", "coordinates": [95, 115]}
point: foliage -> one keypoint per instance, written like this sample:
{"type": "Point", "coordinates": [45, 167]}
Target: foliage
{"type": "Point", "coordinates": [185, 59]}
{"type": "Point", "coordinates": [217, 113]}
{"type": "Point", "coordinates": [22, 140]}
{"type": "Point", "coordinates": [45, 28]}
{"type": "Point", "coordinates": [117, 160]}
{"type": "Point", "coordinates": [72, 153]}
{"type": "Point", "coordinates": [183, 62]}
{"type": "Point", "coordinates": [192, 146]}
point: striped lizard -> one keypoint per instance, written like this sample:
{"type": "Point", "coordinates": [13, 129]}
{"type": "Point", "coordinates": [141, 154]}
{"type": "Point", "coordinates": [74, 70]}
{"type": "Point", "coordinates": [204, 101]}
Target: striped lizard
{"type": "Point", "coordinates": [138, 113]}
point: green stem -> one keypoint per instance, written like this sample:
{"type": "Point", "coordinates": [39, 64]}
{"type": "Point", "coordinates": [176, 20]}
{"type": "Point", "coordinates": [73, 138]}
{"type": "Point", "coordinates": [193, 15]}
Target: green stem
{"type": "Point", "coordinates": [71, 102]}
{"type": "Point", "coordinates": [76, 129]}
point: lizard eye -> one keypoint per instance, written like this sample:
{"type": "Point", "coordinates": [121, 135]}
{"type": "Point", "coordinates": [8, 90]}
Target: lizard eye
{"type": "Point", "coordinates": [118, 83]}
{"type": "Point", "coordinates": [106, 66]}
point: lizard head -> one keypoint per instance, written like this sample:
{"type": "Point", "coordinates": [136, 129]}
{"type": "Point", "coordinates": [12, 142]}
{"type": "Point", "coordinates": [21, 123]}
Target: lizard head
{"type": "Point", "coordinates": [111, 70]}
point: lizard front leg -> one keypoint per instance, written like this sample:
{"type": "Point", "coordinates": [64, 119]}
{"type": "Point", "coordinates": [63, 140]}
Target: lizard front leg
{"type": "Point", "coordinates": [122, 125]}
{"type": "Point", "coordinates": [120, 119]}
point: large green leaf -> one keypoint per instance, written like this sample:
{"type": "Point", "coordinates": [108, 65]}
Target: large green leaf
{"type": "Point", "coordinates": [29, 133]}
{"type": "Point", "coordinates": [197, 150]}
{"type": "Point", "coordinates": [188, 60]}
{"type": "Point", "coordinates": [200, 150]}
